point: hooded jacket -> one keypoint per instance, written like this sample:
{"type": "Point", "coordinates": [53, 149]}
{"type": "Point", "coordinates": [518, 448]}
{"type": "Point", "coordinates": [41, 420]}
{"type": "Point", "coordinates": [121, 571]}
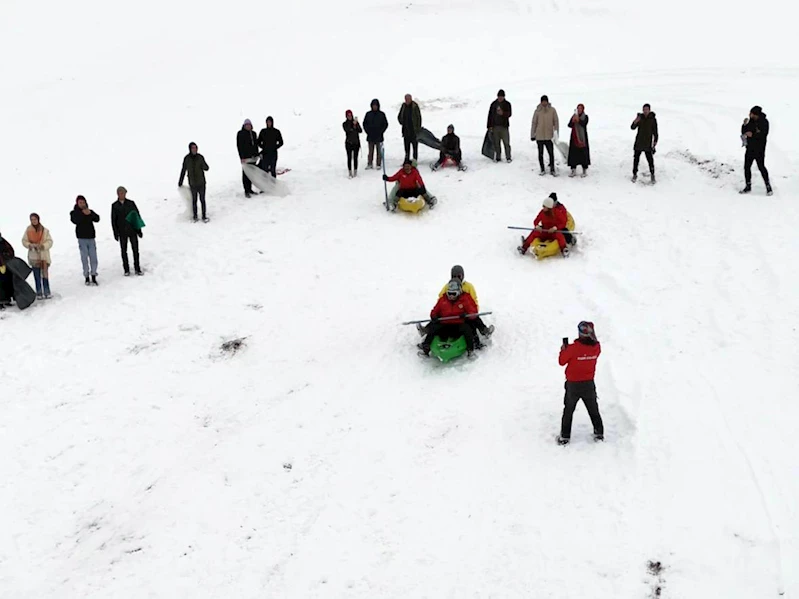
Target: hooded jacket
{"type": "Point", "coordinates": [247, 144]}
{"type": "Point", "coordinates": [270, 139]}
{"type": "Point", "coordinates": [759, 128]}
{"type": "Point", "coordinates": [411, 121]}
{"type": "Point", "coordinates": [195, 166]}
{"type": "Point", "coordinates": [84, 223]}
{"type": "Point", "coordinates": [451, 144]}
{"type": "Point", "coordinates": [6, 251]}
{"type": "Point", "coordinates": [375, 124]}
{"type": "Point", "coordinates": [647, 135]}
{"type": "Point", "coordinates": [545, 123]}
{"type": "Point", "coordinates": [455, 310]}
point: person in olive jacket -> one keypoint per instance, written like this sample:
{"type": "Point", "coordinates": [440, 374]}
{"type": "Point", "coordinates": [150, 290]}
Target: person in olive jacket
{"type": "Point", "coordinates": [84, 218]}
{"type": "Point", "coordinates": [270, 140]}
{"type": "Point", "coordinates": [375, 124]}
{"type": "Point", "coordinates": [124, 231]}
{"type": "Point", "coordinates": [352, 142]}
{"type": "Point", "coordinates": [410, 117]}
{"type": "Point", "coordinates": [194, 165]}
{"type": "Point", "coordinates": [645, 140]}
{"type": "Point", "coordinates": [247, 144]}
{"type": "Point", "coordinates": [498, 124]}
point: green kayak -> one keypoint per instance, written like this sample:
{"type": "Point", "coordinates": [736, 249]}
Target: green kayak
{"type": "Point", "coordinates": [446, 350]}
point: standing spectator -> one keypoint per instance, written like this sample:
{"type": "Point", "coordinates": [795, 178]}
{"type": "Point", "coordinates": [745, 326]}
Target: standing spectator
{"type": "Point", "coordinates": [247, 144]}
{"type": "Point", "coordinates": [352, 142]}
{"type": "Point", "coordinates": [450, 148]}
{"type": "Point", "coordinates": [545, 127]}
{"type": "Point", "coordinates": [375, 124]}
{"type": "Point", "coordinates": [410, 117]}
{"type": "Point", "coordinates": [124, 230]}
{"type": "Point", "coordinates": [498, 125]}
{"type": "Point", "coordinates": [579, 150]}
{"type": "Point", "coordinates": [84, 218]}
{"type": "Point", "coordinates": [580, 358]}
{"type": "Point", "coordinates": [38, 242]}
{"type": "Point", "coordinates": [270, 141]}
{"type": "Point", "coordinates": [755, 132]}
{"type": "Point", "coordinates": [194, 165]}
{"type": "Point", "coordinates": [6, 276]}
{"type": "Point", "coordinates": [646, 140]}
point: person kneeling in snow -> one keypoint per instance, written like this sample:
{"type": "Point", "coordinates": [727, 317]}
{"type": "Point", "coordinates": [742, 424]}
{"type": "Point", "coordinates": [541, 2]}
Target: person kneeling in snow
{"type": "Point", "coordinates": [548, 226]}
{"type": "Point", "coordinates": [411, 185]}
{"type": "Point", "coordinates": [454, 306]}
{"type": "Point", "coordinates": [477, 324]}
{"type": "Point", "coordinates": [450, 148]}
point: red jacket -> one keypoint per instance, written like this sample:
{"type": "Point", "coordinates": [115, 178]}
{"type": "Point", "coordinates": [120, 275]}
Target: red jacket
{"type": "Point", "coordinates": [412, 180]}
{"type": "Point", "coordinates": [580, 361]}
{"type": "Point", "coordinates": [555, 218]}
{"type": "Point", "coordinates": [562, 213]}
{"type": "Point", "coordinates": [461, 306]}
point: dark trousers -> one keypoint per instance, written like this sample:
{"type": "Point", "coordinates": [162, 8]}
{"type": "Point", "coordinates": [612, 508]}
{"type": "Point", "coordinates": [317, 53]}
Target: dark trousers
{"type": "Point", "coordinates": [650, 158]}
{"type": "Point", "coordinates": [414, 192]}
{"type": "Point", "coordinates": [760, 158]}
{"type": "Point", "coordinates": [456, 156]}
{"type": "Point", "coordinates": [476, 324]}
{"type": "Point", "coordinates": [246, 182]}
{"type": "Point", "coordinates": [408, 143]}
{"type": "Point", "coordinates": [6, 286]}
{"type": "Point", "coordinates": [269, 163]}
{"type": "Point", "coordinates": [574, 393]}
{"type": "Point", "coordinates": [550, 149]}
{"type": "Point", "coordinates": [375, 145]}
{"type": "Point", "coordinates": [449, 331]}
{"type": "Point", "coordinates": [352, 156]}
{"type": "Point", "coordinates": [198, 193]}
{"type": "Point", "coordinates": [123, 246]}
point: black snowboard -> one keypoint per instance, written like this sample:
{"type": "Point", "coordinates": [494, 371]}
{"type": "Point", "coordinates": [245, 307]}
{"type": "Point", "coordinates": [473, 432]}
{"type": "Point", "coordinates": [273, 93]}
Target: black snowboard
{"type": "Point", "coordinates": [428, 139]}
{"type": "Point", "coordinates": [24, 296]}
{"type": "Point", "coordinates": [488, 147]}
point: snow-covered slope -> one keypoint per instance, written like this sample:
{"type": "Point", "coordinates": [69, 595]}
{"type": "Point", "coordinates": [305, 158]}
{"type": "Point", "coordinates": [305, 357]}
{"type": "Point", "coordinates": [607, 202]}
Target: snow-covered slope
{"type": "Point", "coordinates": [325, 459]}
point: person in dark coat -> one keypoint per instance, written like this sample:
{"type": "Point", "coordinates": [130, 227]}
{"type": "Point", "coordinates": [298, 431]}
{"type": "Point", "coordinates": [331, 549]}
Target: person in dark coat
{"type": "Point", "coordinates": [646, 140]}
{"type": "Point", "coordinates": [352, 142]}
{"type": "Point", "coordinates": [450, 148]}
{"type": "Point", "coordinates": [755, 132]}
{"type": "Point", "coordinates": [375, 124]}
{"type": "Point", "coordinates": [6, 276]}
{"type": "Point", "coordinates": [410, 118]}
{"type": "Point", "coordinates": [84, 218]}
{"type": "Point", "coordinates": [270, 141]}
{"type": "Point", "coordinates": [124, 231]}
{"type": "Point", "coordinates": [247, 144]}
{"type": "Point", "coordinates": [194, 165]}
{"type": "Point", "coordinates": [579, 150]}
{"type": "Point", "coordinates": [580, 360]}
{"type": "Point", "coordinates": [498, 124]}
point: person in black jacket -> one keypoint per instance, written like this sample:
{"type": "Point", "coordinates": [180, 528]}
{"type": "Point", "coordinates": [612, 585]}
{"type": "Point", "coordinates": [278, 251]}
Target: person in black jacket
{"type": "Point", "coordinates": [84, 218]}
{"type": "Point", "coordinates": [270, 141]}
{"type": "Point", "coordinates": [450, 148]}
{"type": "Point", "coordinates": [498, 124]}
{"type": "Point", "coordinates": [124, 231]}
{"type": "Point", "coordinates": [247, 144]}
{"type": "Point", "coordinates": [646, 140]}
{"type": "Point", "coordinates": [375, 124]}
{"type": "Point", "coordinates": [755, 133]}
{"type": "Point", "coordinates": [6, 277]}
{"type": "Point", "coordinates": [352, 142]}
{"type": "Point", "coordinates": [194, 165]}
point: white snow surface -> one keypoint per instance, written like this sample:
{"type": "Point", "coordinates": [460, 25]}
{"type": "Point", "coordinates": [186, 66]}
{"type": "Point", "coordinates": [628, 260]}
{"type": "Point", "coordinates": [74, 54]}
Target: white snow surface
{"type": "Point", "coordinates": [138, 460]}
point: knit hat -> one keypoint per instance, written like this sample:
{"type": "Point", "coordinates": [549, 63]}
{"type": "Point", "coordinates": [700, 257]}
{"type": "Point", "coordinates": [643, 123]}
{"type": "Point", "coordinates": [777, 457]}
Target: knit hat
{"type": "Point", "coordinates": [451, 127]}
{"type": "Point", "coordinates": [554, 196]}
{"type": "Point", "coordinates": [756, 110]}
{"type": "Point", "coordinates": [348, 113]}
{"type": "Point", "coordinates": [545, 98]}
{"type": "Point", "coordinates": [586, 330]}
{"type": "Point", "coordinates": [549, 203]}
{"type": "Point", "coordinates": [191, 143]}
{"type": "Point", "coordinates": [454, 288]}
{"type": "Point", "coordinates": [269, 118]}
{"type": "Point", "coordinates": [247, 122]}
{"type": "Point", "coordinates": [501, 93]}
{"type": "Point", "coordinates": [120, 188]}
{"type": "Point", "coordinates": [457, 272]}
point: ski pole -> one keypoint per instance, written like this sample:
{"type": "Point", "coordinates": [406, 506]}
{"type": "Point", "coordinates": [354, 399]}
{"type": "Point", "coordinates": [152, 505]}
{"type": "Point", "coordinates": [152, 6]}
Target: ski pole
{"type": "Point", "coordinates": [543, 231]}
{"type": "Point", "coordinates": [446, 318]}
{"type": "Point", "coordinates": [383, 158]}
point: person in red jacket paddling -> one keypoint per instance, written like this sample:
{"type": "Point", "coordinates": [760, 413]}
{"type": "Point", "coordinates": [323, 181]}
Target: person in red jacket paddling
{"type": "Point", "coordinates": [548, 225]}
{"type": "Point", "coordinates": [449, 316]}
{"type": "Point", "coordinates": [580, 359]}
{"type": "Point", "coordinates": [410, 185]}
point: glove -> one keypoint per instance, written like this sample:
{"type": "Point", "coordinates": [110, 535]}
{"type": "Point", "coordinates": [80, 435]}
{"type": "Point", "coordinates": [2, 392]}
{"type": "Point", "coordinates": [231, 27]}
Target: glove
{"type": "Point", "coordinates": [140, 234]}
{"type": "Point", "coordinates": [385, 177]}
{"type": "Point", "coordinates": [532, 139]}
{"type": "Point", "coordinates": [116, 237]}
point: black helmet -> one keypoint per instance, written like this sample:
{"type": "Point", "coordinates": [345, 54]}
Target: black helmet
{"type": "Point", "coordinates": [456, 272]}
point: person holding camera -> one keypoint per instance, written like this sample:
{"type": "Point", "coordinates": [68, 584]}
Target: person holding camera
{"type": "Point", "coordinates": [646, 140]}
{"type": "Point", "coordinates": [352, 142]}
{"type": "Point", "coordinates": [754, 134]}
{"type": "Point", "coordinates": [580, 359]}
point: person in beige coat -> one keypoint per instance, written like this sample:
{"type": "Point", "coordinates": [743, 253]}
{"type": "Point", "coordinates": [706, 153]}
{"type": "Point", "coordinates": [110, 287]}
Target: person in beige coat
{"type": "Point", "coordinates": [38, 242]}
{"type": "Point", "coordinates": [545, 127]}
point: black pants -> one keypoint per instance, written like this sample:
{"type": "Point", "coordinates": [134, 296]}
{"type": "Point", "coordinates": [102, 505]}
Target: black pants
{"type": "Point", "coordinates": [352, 156]}
{"type": "Point", "coordinates": [456, 156]}
{"type": "Point", "coordinates": [574, 393]}
{"type": "Point", "coordinates": [550, 150]}
{"type": "Point", "coordinates": [123, 246]}
{"type": "Point", "coordinates": [6, 286]}
{"type": "Point", "coordinates": [411, 193]}
{"type": "Point", "coordinates": [476, 324]}
{"type": "Point", "coordinates": [760, 158]}
{"type": "Point", "coordinates": [449, 331]}
{"type": "Point", "coordinates": [197, 193]}
{"type": "Point", "coordinates": [246, 182]}
{"type": "Point", "coordinates": [269, 163]}
{"type": "Point", "coordinates": [650, 158]}
{"type": "Point", "coordinates": [408, 143]}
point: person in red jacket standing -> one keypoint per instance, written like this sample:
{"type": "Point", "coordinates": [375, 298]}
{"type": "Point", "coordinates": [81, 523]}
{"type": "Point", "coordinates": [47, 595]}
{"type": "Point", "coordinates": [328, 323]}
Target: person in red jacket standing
{"type": "Point", "coordinates": [411, 185]}
{"type": "Point", "coordinates": [548, 225]}
{"type": "Point", "coordinates": [580, 359]}
{"type": "Point", "coordinates": [454, 306]}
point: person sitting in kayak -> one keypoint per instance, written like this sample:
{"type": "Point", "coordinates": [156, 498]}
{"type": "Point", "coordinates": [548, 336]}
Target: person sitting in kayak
{"type": "Point", "coordinates": [563, 214]}
{"type": "Point", "coordinates": [477, 324]}
{"type": "Point", "coordinates": [450, 318]}
{"type": "Point", "coordinates": [411, 184]}
{"type": "Point", "coordinates": [548, 226]}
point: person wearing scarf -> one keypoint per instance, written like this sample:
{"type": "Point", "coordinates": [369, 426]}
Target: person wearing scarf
{"type": "Point", "coordinates": [38, 242]}
{"type": "Point", "coordinates": [579, 151]}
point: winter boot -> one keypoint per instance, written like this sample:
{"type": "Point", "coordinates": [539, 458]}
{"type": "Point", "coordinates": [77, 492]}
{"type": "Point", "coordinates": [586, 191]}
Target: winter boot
{"type": "Point", "coordinates": [521, 249]}
{"type": "Point", "coordinates": [127, 273]}
{"type": "Point", "coordinates": [424, 351]}
{"type": "Point", "coordinates": [369, 167]}
{"type": "Point", "coordinates": [470, 354]}
{"type": "Point", "coordinates": [194, 218]}
{"type": "Point", "coordinates": [652, 174]}
{"type": "Point", "coordinates": [94, 280]}
{"type": "Point", "coordinates": [635, 177]}
{"type": "Point", "coordinates": [563, 440]}
{"type": "Point", "coordinates": [139, 272]}
{"type": "Point", "coordinates": [585, 172]}
{"type": "Point", "coordinates": [421, 329]}
{"type": "Point", "coordinates": [599, 437]}
{"type": "Point", "coordinates": [488, 331]}
{"type": "Point", "coordinates": [769, 191]}
{"type": "Point", "coordinates": [351, 175]}
{"type": "Point", "coordinates": [565, 252]}
{"type": "Point", "coordinates": [88, 281]}
{"type": "Point", "coordinates": [206, 219]}
{"type": "Point", "coordinates": [552, 171]}
{"type": "Point", "coordinates": [747, 188]}
{"type": "Point", "coordinates": [354, 172]}
{"type": "Point", "coordinates": [541, 173]}
{"type": "Point", "coordinates": [573, 173]}
{"type": "Point", "coordinates": [509, 160]}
